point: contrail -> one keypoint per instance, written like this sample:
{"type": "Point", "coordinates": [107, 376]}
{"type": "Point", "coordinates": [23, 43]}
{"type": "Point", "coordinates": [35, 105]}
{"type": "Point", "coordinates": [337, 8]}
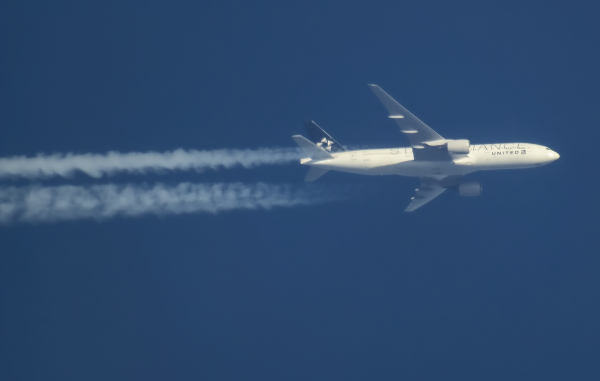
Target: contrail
{"type": "Point", "coordinates": [97, 165]}
{"type": "Point", "coordinates": [99, 202]}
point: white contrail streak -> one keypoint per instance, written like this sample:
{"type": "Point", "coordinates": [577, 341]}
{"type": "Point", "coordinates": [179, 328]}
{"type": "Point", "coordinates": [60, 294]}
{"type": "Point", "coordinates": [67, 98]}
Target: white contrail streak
{"type": "Point", "coordinates": [96, 165]}
{"type": "Point", "coordinates": [98, 202]}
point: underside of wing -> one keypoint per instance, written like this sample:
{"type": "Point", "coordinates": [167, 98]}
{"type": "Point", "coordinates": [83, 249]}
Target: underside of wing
{"type": "Point", "coordinates": [424, 195]}
{"type": "Point", "coordinates": [424, 141]}
{"type": "Point", "coordinates": [429, 189]}
{"type": "Point", "coordinates": [427, 153]}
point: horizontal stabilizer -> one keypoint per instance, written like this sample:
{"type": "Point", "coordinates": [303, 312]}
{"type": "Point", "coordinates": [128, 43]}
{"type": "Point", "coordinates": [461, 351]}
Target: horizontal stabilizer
{"type": "Point", "coordinates": [314, 173]}
{"type": "Point", "coordinates": [310, 149]}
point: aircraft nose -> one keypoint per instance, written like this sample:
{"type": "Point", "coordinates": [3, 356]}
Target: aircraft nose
{"type": "Point", "coordinates": [552, 156]}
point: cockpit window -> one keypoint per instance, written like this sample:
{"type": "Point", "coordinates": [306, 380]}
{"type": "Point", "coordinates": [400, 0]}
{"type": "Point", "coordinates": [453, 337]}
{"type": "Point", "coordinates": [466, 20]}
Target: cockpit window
{"type": "Point", "coordinates": [548, 148]}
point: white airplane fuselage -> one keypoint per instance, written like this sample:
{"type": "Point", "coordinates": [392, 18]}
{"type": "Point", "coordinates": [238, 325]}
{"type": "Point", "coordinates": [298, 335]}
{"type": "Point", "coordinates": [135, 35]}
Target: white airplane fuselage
{"type": "Point", "coordinates": [400, 161]}
{"type": "Point", "coordinates": [440, 163]}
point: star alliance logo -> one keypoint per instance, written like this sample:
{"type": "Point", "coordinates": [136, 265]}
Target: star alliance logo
{"type": "Point", "coordinates": [325, 144]}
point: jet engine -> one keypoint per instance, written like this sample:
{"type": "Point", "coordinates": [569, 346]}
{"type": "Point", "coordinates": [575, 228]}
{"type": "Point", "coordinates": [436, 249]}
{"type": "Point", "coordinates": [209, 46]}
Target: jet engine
{"type": "Point", "coordinates": [459, 146]}
{"type": "Point", "coordinates": [472, 188]}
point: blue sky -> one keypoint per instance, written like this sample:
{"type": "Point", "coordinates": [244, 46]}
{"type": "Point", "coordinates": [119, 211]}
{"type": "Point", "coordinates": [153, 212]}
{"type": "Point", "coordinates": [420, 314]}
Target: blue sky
{"type": "Point", "coordinates": [504, 286]}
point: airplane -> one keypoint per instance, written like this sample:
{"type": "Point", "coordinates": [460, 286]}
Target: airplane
{"type": "Point", "coordinates": [440, 163]}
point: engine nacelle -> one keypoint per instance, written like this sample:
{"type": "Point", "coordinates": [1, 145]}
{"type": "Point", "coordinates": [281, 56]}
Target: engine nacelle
{"type": "Point", "coordinates": [459, 146]}
{"type": "Point", "coordinates": [472, 188]}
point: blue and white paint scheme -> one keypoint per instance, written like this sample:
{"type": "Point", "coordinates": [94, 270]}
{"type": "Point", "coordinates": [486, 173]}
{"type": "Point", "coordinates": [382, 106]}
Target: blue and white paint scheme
{"type": "Point", "coordinates": [440, 163]}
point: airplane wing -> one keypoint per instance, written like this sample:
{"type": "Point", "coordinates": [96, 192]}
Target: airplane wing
{"type": "Point", "coordinates": [424, 141]}
{"type": "Point", "coordinates": [429, 189]}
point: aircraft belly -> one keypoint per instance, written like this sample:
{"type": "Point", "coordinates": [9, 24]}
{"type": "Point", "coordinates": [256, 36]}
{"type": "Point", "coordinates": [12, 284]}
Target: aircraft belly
{"type": "Point", "coordinates": [347, 164]}
{"type": "Point", "coordinates": [405, 168]}
{"type": "Point", "coordinates": [424, 168]}
{"type": "Point", "coordinates": [372, 166]}
{"type": "Point", "coordinates": [443, 168]}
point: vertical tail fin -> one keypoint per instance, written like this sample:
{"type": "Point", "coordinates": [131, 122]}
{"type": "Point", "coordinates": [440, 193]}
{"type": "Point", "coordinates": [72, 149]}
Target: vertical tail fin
{"type": "Point", "coordinates": [318, 149]}
{"type": "Point", "coordinates": [310, 149]}
{"type": "Point", "coordinates": [322, 138]}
